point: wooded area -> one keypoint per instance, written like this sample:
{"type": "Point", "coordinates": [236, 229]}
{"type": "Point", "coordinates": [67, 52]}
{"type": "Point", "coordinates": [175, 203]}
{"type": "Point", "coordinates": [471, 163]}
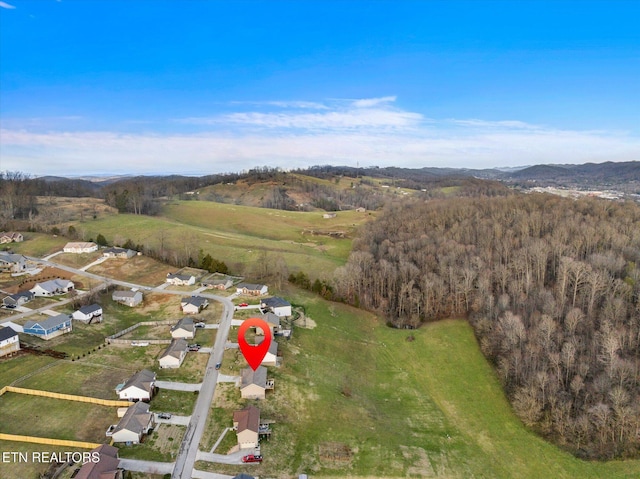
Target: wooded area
{"type": "Point", "coordinates": [552, 288]}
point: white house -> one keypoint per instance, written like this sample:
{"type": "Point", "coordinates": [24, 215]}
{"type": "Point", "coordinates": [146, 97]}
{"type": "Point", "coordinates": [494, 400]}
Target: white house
{"type": "Point", "coordinates": [116, 252]}
{"type": "Point", "coordinates": [277, 306]}
{"type": "Point", "coordinates": [271, 358]}
{"type": "Point", "coordinates": [193, 305]}
{"type": "Point", "coordinates": [180, 279]}
{"type": "Point", "coordinates": [183, 329]}
{"type": "Point", "coordinates": [174, 354]}
{"type": "Point", "coordinates": [135, 423]}
{"type": "Point", "coordinates": [9, 342]}
{"type": "Point", "coordinates": [139, 387]}
{"type": "Point", "coordinates": [12, 263]}
{"type": "Point", "coordinates": [130, 298]}
{"type": "Point", "coordinates": [252, 289]}
{"type": "Point", "coordinates": [52, 287]}
{"type": "Point", "coordinates": [246, 422]}
{"type": "Point", "coordinates": [88, 313]}
{"type": "Point", "coordinates": [80, 247]}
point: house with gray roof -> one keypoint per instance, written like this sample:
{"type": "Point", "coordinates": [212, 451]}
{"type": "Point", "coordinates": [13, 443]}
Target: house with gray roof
{"type": "Point", "coordinates": [139, 387]}
{"type": "Point", "coordinates": [180, 279]}
{"type": "Point", "coordinates": [116, 252]}
{"type": "Point", "coordinates": [17, 299]}
{"type": "Point", "coordinates": [53, 287]}
{"type": "Point", "coordinates": [129, 298]}
{"type": "Point", "coordinates": [277, 306]}
{"type": "Point", "coordinates": [135, 423]}
{"type": "Point", "coordinates": [254, 384]}
{"type": "Point", "coordinates": [184, 329]}
{"type": "Point", "coordinates": [88, 314]}
{"type": "Point", "coordinates": [9, 341]}
{"type": "Point", "coordinates": [193, 304]}
{"type": "Point", "coordinates": [174, 354]}
{"type": "Point", "coordinates": [252, 289]}
{"type": "Point", "coordinates": [12, 263]}
{"type": "Point", "coordinates": [50, 327]}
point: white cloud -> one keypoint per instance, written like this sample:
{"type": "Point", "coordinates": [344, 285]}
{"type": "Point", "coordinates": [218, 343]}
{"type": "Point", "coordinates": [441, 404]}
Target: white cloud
{"type": "Point", "coordinates": [369, 102]}
{"type": "Point", "coordinates": [6, 5]}
{"type": "Point", "coordinates": [296, 135]}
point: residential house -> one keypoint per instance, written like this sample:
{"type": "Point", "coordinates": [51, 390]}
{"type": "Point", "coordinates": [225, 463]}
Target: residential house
{"type": "Point", "coordinates": [88, 314]}
{"type": "Point", "coordinates": [139, 387]}
{"type": "Point", "coordinates": [277, 306]}
{"type": "Point", "coordinates": [130, 298]}
{"type": "Point", "coordinates": [80, 247]}
{"type": "Point", "coordinates": [361, 209]}
{"type": "Point", "coordinates": [135, 423]}
{"type": "Point", "coordinates": [181, 279]}
{"type": "Point", "coordinates": [252, 289]}
{"type": "Point", "coordinates": [116, 252]}
{"type": "Point", "coordinates": [246, 422]}
{"type": "Point", "coordinates": [53, 287]}
{"type": "Point", "coordinates": [193, 305]}
{"type": "Point", "coordinates": [12, 263]}
{"type": "Point", "coordinates": [105, 464]}
{"type": "Point", "coordinates": [9, 341]}
{"type": "Point", "coordinates": [18, 299]}
{"type": "Point", "coordinates": [174, 354]}
{"type": "Point", "coordinates": [49, 328]}
{"type": "Point", "coordinates": [255, 383]}
{"type": "Point", "coordinates": [218, 283]}
{"type": "Point", "coordinates": [271, 358]}
{"type": "Point", "coordinates": [327, 216]}
{"type": "Point", "coordinates": [273, 321]}
{"type": "Point", "coordinates": [11, 237]}
{"type": "Point", "coordinates": [183, 329]}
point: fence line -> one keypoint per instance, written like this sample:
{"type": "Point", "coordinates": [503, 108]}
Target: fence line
{"type": "Point", "coordinates": [48, 441]}
{"type": "Point", "coordinates": [137, 325]}
{"type": "Point", "coordinates": [67, 397]}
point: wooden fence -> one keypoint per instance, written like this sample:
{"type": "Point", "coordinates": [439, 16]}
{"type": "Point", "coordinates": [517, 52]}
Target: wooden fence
{"type": "Point", "coordinates": [66, 397]}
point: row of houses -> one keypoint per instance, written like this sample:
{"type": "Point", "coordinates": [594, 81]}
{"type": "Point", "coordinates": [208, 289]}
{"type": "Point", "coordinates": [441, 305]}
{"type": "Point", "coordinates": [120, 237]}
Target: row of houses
{"type": "Point", "coordinates": [79, 247]}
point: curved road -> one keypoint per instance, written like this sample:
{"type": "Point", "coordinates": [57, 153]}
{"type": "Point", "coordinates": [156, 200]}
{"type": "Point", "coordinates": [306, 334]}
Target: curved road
{"type": "Point", "coordinates": [183, 468]}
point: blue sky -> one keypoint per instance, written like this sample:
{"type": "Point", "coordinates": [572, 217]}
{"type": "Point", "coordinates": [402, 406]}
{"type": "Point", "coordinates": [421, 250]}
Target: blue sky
{"type": "Point", "coordinates": [197, 87]}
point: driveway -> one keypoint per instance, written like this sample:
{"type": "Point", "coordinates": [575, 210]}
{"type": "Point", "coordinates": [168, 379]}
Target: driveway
{"type": "Point", "coordinates": [233, 458]}
{"type": "Point", "coordinates": [175, 420]}
{"type": "Point", "coordinates": [175, 386]}
{"type": "Point", "coordinates": [96, 262]}
{"type": "Point", "coordinates": [151, 467]}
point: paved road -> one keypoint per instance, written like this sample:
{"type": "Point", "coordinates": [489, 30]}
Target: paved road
{"type": "Point", "coordinates": [191, 440]}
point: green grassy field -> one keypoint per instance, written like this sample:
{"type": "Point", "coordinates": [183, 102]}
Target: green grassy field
{"type": "Point", "coordinates": [355, 398]}
{"type": "Point", "coordinates": [39, 244]}
{"type": "Point", "coordinates": [238, 234]}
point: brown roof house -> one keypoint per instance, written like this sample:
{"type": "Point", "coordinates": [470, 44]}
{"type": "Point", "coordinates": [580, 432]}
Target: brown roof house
{"type": "Point", "coordinates": [174, 354]}
{"type": "Point", "coordinates": [255, 383]}
{"type": "Point", "coordinates": [11, 237]}
{"type": "Point", "coordinates": [184, 329]}
{"type": "Point", "coordinates": [139, 387]}
{"type": "Point", "coordinates": [246, 422]}
{"type": "Point", "coordinates": [105, 467]}
{"type": "Point", "coordinates": [135, 423]}
{"type": "Point", "coordinates": [252, 289]}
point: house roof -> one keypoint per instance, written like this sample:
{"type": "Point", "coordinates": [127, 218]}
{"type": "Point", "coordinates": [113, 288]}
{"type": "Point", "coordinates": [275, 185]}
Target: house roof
{"type": "Point", "coordinates": [135, 419]}
{"type": "Point", "coordinates": [175, 349]}
{"type": "Point", "coordinates": [185, 323]}
{"type": "Point", "coordinates": [11, 257]}
{"type": "Point", "coordinates": [117, 250]}
{"type": "Point", "coordinates": [80, 244]}
{"type": "Point", "coordinates": [49, 323]}
{"type": "Point", "coordinates": [197, 301]}
{"type": "Point", "coordinates": [6, 332]}
{"type": "Point", "coordinates": [247, 418]}
{"type": "Point", "coordinates": [251, 286]}
{"type": "Point", "coordinates": [22, 294]}
{"type": "Point", "coordinates": [275, 302]}
{"type": "Point", "coordinates": [257, 377]}
{"type": "Point", "coordinates": [54, 284]}
{"type": "Point", "coordinates": [142, 379]}
{"type": "Point", "coordinates": [92, 308]}
{"type": "Point", "coordinates": [273, 348]}
{"type": "Point", "coordinates": [125, 294]}
{"type": "Point", "coordinates": [183, 277]}
{"type": "Point", "coordinates": [10, 234]}
{"type": "Point", "coordinates": [271, 318]}
{"type": "Point", "coordinates": [105, 468]}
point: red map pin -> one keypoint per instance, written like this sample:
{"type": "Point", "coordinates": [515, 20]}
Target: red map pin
{"type": "Point", "coordinates": [254, 354]}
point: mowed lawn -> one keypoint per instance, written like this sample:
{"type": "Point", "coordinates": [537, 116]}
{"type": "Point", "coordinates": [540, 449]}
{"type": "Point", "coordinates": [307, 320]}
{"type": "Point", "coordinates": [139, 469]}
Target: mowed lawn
{"type": "Point", "coordinates": [238, 235]}
{"type": "Point", "coordinates": [355, 398]}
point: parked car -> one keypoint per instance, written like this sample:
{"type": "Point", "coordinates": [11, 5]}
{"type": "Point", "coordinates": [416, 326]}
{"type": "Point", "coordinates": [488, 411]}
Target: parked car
{"type": "Point", "coordinates": [194, 347]}
{"type": "Point", "coordinates": [199, 325]}
{"type": "Point", "coordinates": [252, 458]}
{"type": "Point", "coordinates": [10, 306]}
{"type": "Point", "coordinates": [164, 415]}
{"type": "Point", "coordinates": [218, 365]}
{"type": "Point", "coordinates": [243, 305]}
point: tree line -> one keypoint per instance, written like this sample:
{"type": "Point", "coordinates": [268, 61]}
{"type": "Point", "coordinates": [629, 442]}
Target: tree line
{"type": "Point", "coordinates": [551, 287]}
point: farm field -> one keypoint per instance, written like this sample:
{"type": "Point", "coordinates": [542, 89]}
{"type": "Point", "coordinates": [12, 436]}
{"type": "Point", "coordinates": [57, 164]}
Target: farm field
{"type": "Point", "coordinates": [39, 244]}
{"type": "Point", "coordinates": [355, 398]}
{"type": "Point", "coordinates": [238, 232]}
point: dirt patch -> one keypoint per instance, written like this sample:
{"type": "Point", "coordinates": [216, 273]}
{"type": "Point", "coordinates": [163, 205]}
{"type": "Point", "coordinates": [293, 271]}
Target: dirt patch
{"type": "Point", "coordinates": [28, 282]}
{"type": "Point", "coordinates": [305, 322]}
{"type": "Point", "coordinates": [167, 439]}
{"type": "Point", "coordinates": [335, 454]}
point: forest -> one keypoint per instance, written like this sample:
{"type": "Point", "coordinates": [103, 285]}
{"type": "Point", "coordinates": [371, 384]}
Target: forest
{"type": "Point", "coordinates": [551, 287]}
